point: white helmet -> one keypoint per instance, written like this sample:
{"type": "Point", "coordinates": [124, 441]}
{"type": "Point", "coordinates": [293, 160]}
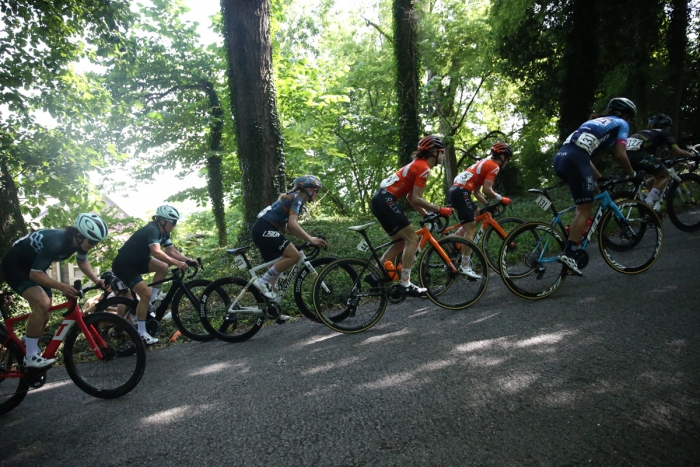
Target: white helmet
{"type": "Point", "coordinates": [168, 213]}
{"type": "Point", "coordinates": [91, 227]}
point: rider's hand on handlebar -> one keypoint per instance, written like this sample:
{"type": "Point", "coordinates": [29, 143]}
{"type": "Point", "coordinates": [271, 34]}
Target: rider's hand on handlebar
{"type": "Point", "coordinates": [318, 242]}
{"type": "Point", "coordinates": [182, 266]}
{"type": "Point", "coordinates": [505, 201]}
{"type": "Point", "coordinates": [445, 211]}
{"type": "Point", "coordinates": [101, 284]}
{"type": "Point", "coordinates": [68, 290]}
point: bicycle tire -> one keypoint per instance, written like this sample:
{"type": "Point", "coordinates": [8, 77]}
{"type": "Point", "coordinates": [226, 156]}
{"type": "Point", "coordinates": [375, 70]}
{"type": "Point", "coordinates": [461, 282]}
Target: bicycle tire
{"type": "Point", "coordinates": [304, 286]}
{"type": "Point", "coordinates": [126, 307]}
{"type": "Point", "coordinates": [13, 387]}
{"type": "Point", "coordinates": [113, 375]}
{"type": "Point", "coordinates": [634, 246]}
{"type": "Point", "coordinates": [528, 259]}
{"type": "Point", "coordinates": [683, 202]}
{"type": "Point", "coordinates": [186, 314]}
{"type": "Point", "coordinates": [341, 290]}
{"type": "Point", "coordinates": [448, 288]}
{"type": "Point", "coordinates": [491, 247]}
{"type": "Point", "coordinates": [231, 325]}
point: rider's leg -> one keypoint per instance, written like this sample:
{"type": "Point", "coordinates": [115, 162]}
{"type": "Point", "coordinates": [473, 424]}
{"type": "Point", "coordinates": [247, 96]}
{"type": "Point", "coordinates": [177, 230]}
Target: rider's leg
{"type": "Point", "coordinates": [583, 213]}
{"type": "Point", "coordinates": [290, 257]}
{"type": "Point", "coordinates": [410, 241]}
{"type": "Point", "coordinates": [161, 270]}
{"type": "Point", "coordinates": [661, 179]}
{"type": "Point", "coordinates": [39, 302]}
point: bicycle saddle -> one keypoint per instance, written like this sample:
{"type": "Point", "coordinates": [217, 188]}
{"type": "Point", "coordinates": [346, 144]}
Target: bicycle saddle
{"type": "Point", "coordinates": [357, 228]}
{"type": "Point", "coordinates": [235, 251]}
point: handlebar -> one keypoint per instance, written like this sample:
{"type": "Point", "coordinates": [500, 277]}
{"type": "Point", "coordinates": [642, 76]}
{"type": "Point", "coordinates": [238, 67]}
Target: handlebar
{"type": "Point", "coordinates": [437, 222]}
{"type": "Point", "coordinates": [315, 250]}
{"type": "Point", "coordinates": [197, 265]}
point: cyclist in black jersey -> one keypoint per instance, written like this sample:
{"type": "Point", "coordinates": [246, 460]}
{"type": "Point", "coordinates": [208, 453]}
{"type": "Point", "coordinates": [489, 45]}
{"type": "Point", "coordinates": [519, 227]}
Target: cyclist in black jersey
{"type": "Point", "coordinates": [642, 146]}
{"type": "Point", "coordinates": [572, 164]}
{"type": "Point", "coordinates": [284, 214]}
{"type": "Point", "coordinates": [149, 249]}
{"type": "Point", "coordinates": [24, 268]}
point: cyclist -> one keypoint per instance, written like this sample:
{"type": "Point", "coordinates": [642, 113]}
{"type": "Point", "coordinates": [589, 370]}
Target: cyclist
{"type": "Point", "coordinates": [284, 213]}
{"type": "Point", "coordinates": [149, 249]}
{"type": "Point", "coordinates": [469, 182]}
{"type": "Point", "coordinates": [24, 268]}
{"type": "Point", "coordinates": [408, 181]}
{"type": "Point", "coordinates": [641, 146]}
{"type": "Point", "coordinates": [572, 163]}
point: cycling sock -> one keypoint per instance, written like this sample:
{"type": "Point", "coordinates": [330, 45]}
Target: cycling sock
{"type": "Point", "coordinates": [653, 196]}
{"type": "Point", "coordinates": [405, 276]}
{"type": "Point", "coordinates": [154, 293]}
{"type": "Point", "coordinates": [466, 260]}
{"type": "Point", "coordinates": [32, 345]}
{"type": "Point", "coordinates": [269, 275]}
{"type": "Point", "coordinates": [569, 248]}
{"type": "Point", "coordinates": [142, 326]}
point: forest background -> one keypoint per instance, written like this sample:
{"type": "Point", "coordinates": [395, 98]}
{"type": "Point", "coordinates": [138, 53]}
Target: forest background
{"type": "Point", "coordinates": [295, 87]}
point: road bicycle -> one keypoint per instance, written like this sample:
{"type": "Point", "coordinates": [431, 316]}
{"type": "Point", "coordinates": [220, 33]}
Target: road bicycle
{"type": "Point", "coordinates": [103, 353]}
{"type": "Point", "coordinates": [681, 194]}
{"type": "Point", "coordinates": [233, 309]}
{"type": "Point", "coordinates": [184, 297]}
{"type": "Point", "coordinates": [630, 239]}
{"type": "Point", "coordinates": [350, 294]}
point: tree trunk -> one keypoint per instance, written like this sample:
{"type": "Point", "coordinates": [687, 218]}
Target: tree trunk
{"type": "Point", "coordinates": [254, 104]}
{"type": "Point", "coordinates": [215, 186]}
{"type": "Point", "coordinates": [12, 224]}
{"type": "Point", "coordinates": [677, 44]}
{"type": "Point", "coordinates": [406, 53]}
{"type": "Point", "coordinates": [646, 25]}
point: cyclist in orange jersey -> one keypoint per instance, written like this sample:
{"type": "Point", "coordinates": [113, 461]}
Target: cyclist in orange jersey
{"type": "Point", "coordinates": [410, 182]}
{"type": "Point", "coordinates": [481, 174]}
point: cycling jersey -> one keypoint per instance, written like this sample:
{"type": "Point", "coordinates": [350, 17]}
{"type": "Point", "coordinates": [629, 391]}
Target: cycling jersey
{"type": "Point", "coordinates": [402, 182]}
{"type": "Point", "coordinates": [650, 140]}
{"type": "Point", "coordinates": [138, 247]}
{"type": "Point", "coordinates": [600, 134]}
{"type": "Point", "coordinates": [474, 177]}
{"type": "Point", "coordinates": [278, 213]}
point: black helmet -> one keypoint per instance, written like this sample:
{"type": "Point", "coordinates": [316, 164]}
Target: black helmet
{"type": "Point", "coordinates": [501, 149]}
{"type": "Point", "coordinates": [622, 105]}
{"type": "Point", "coordinates": [430, 142]}
{"type": "Point", "coordinates": [660, 121]}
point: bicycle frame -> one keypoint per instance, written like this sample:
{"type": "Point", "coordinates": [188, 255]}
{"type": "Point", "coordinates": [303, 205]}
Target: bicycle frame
{"type": "Point", "coordinates": [486, 220]}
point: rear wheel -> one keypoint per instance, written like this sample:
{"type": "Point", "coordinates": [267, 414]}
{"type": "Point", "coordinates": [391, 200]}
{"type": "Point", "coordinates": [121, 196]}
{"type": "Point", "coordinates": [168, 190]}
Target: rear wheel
{"type": "Point", "coordinates": [125, 307]}
{"type": "Point", "coordinates": [186, 313]}
{"type": "Point", "coordinates": [122, 361]}
{"type": "Point", "coordinates": [683, 202]}
{"type": "Point", "coordinates": [493, 242]}
{"type": "Point", "coordinates": [229, 321]}
{"type": "Point", "coordinates": [13, 388]}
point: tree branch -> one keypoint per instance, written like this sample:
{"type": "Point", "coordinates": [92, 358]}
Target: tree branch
{"type": "Point", "coordinates": [370, 23]}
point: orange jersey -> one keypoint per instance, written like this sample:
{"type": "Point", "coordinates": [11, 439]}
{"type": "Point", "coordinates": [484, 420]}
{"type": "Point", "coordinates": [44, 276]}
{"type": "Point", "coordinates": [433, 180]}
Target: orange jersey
{"type": "Point", "coordinates": [402, 182]}
{"type": "Point", "coordinates": [475, 176]}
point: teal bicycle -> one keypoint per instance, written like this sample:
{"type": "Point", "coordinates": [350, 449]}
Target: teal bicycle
{"type": "Point", "coordinates": [630, 238]}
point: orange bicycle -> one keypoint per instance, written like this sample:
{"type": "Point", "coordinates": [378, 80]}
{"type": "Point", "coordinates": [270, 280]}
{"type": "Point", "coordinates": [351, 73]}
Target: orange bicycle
{"type": "Point", "coordinates": [350, 295]}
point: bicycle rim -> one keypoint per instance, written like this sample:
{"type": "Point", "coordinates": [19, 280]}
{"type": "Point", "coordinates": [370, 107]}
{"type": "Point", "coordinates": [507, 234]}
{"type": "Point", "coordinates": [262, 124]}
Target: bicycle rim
{"type": "Point", "coordinates": [123, 357]}
{"type": "Point", "coordinates": [304, 286]}
{"type": "Point", "coordinates": [447, 287]}
{"type": "Point", "coordinates": [492, 242]}
{"type": "Point", "coordinates": [683, 203]}
{"type": "Point", "coordinates": [528, 259]}
{"type": "Point", "coordinates": [631, 245]}
{"type": "Point", "coordinates": [350, 295]}
{"type": "Point", "coordinates": [13, 388]}
{"type": "Point", "coordinates": [226, 320]}
{"type": "Point", "coordinates": [186, 314]}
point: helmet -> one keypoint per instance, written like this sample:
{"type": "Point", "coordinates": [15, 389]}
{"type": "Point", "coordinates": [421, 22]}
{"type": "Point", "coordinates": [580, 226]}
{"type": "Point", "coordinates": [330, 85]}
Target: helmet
{"type": "Point", "coordinates": [167, 212]}
{"type": "Point", "coordinates": [307, 181]}
{"type": "Point", "coordinates": [660, 121]}
{"type": "Point", "coordinates": [622, 105]}
{"type": "Point", "coordinates": [501, 149]}
{"type": "Point", "coordinates": [91, 227]}
{"type": "Point", "coordinates": [431, 142]}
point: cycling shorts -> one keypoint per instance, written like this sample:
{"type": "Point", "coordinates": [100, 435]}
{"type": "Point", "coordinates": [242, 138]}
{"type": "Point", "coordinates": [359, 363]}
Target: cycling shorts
{"type": "Point", "coordinates": [573, 165]}
{"type": "Point", "coordinates": [642, 160]}
{"type": "Point", "coordinates": [461, 200]}
{"type": "Point", "coordinates": [388, 212]}
{"type": "Point", "coordinates": [268, 239]}
{"type": "Point", "coordinates": [16, 271]}
{"type": "Point", "coordinates": [129, 272]}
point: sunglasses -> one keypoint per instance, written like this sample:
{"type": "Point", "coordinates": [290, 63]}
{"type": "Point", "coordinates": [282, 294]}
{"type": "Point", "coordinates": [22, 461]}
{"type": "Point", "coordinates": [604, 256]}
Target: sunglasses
{"type": "Point", "coordinates": [173, 222]}
{"type": "Point", "coordinates": [93, 242]}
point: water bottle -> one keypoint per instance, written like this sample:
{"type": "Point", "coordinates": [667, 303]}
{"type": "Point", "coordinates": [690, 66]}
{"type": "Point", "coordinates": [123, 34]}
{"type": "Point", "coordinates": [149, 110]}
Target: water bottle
{"type": "Point", "coordinates": [589, 222]}
{"type": "Point", "coordinates": [391, 270]}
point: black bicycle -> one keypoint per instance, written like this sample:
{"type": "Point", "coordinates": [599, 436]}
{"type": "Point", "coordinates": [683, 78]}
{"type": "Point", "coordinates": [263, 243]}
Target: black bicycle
{"type": "Point", "coordinates": [184, 297]}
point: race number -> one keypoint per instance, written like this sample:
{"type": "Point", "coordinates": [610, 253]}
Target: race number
{"type": "Point", "coordinates": [633, 144]}
{"type": "Point", "coordinates": [543, 202]}
{"type": "Point", "coordinates": [387, 182]}
{"type": "Point", "coordinates": [363, 246]}
{"type": "Point", "coordinates": [588, 142]}
{"type": "Point", "coordinates": [240, 262]}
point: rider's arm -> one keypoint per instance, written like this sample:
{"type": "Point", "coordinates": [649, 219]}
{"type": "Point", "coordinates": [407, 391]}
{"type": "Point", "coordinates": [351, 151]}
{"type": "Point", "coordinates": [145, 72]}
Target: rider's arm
{"type": "Point", "coordinates": [489, 191]}
{"type": "Point", "coordinates": [41, 278]}
{"type": "Point", "coordinates": [87, 270]}
{"type": "Point", "coordinates": [678, 152]}
{"type": "Point", "coordinates": [295, 229]}
{"type": "Point", "coordinates": [620, 153]}
{"type": "Point", "coordinates": [419, 203]}
{"type": "Point", "coordinates": [173, 253]}
{"type": "Point", "coordinates": [480, 197]}
{"type": "Point", "coordinates": [160, 255]}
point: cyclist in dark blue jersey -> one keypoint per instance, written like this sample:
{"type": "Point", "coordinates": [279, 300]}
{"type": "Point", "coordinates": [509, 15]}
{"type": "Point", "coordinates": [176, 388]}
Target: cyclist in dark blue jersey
{"type": "Point", "coordinates": [24, 268]}
{"type": "Point", "coordinates": [149, 249]}
{"type": "Point", "coordinates": [572, 163]}
{"type": "Point", "coordinates": [284, 214]}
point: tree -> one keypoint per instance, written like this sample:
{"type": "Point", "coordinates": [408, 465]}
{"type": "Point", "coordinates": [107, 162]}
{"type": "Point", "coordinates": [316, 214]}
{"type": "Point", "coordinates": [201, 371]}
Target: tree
{"type": "Point", "coordinates": [254, 104]}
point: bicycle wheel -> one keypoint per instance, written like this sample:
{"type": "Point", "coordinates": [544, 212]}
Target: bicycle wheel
{"type": "Point", "coordinates": [126, 308]}
{"type": "Point", "coordinates": [228, 321]}
{"type": "Point", "coordinates": [446, 286]}
{"type": "Point", "coordinates": [112, 375]}
{"type": "Point", "coordinates": [492, 241]}
{"type": "Point", "coordinates": [186, 314]}
{"type": "Point", "coordinates": [528, 259]}
{"type": "Point", "coordinates": [340, 290]}
{"type": "Point", "coordinates": [632, 244]}
{"type": "Point", "coordinates": [304, 286]}
{"type": "Point", "coordinates": [13, 388]}
{"type": "Point", "coordinates": [682, 202]}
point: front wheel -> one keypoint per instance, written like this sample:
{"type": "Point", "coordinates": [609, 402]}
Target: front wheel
{"type": "Point", "coordinates": [304, 285]}
{"type": "Point", "coordinates": [632, 243]}
{"type": "Point", "coordinates": [493, 242]}
{"type": "Point", "coordinates": [13, 388]}
{"type": "Point", "coordinates": [350, 295]}
{"type": "Point", "coordinates": [683, 202]}
{"type": "Point", "coordinates": [229, 311]}
{"type": "Point", "coordinates": [439, 272]}
{"type": "Point", "coordinates": [121, 364]}
{"type": "Point", "coordinates": [529, 265]}
{"type": "Point", "coordinates": [186, 313]}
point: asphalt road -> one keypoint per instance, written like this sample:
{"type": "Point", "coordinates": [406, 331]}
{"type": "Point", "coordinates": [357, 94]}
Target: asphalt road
{"type": "Point", "coordinates": [605, 372]}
